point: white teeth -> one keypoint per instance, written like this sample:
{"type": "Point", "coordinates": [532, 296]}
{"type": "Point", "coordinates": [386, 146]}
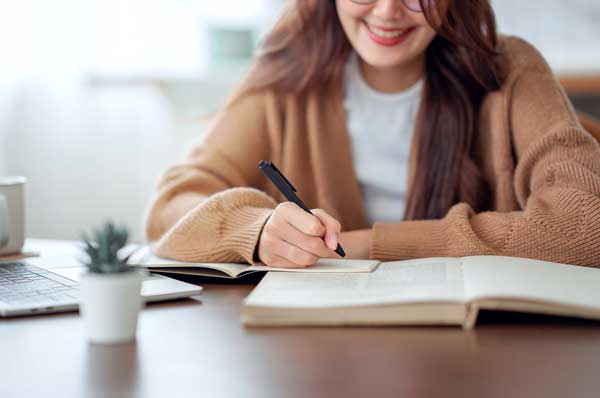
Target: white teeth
{"type": "Point", "coordinates": [387, 34]}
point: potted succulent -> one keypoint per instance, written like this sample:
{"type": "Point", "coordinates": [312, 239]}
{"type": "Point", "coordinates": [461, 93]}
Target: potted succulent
{"type": "Point", "coordinates": [110, 289]}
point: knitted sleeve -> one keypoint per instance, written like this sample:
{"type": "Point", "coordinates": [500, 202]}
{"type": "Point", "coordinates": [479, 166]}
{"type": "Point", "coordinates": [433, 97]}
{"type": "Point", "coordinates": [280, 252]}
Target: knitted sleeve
{"type": "Point", "coordinates": [556, 181]}
{"type": "Point", "coordinates": [205, 208]}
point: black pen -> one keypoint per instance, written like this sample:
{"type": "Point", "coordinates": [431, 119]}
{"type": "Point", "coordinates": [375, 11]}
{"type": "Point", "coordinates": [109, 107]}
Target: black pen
{"type": "Point", "coordinates": [287, 189]}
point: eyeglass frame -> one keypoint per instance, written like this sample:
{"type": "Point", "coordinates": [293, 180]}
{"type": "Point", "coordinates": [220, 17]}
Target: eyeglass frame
{"type": "Point", "coordinates": [370, 2]}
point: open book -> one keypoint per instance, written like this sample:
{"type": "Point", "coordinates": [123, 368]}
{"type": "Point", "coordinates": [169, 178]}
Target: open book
{"type": "Point", "coordinates": [425, 291]}
{"type": "Point", "coordinates": [145, 258]}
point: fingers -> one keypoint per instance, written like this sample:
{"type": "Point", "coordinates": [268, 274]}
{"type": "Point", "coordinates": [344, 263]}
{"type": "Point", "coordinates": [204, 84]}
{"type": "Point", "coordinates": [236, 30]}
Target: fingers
{"type": "Point", "coordinates": [295, 255]}
{"type": "Point", "coordinates": [300, 219]}
{"type": "Point", "coordinates": [279, 253]}
{"type": "Point", "coordinates": [292, 237]}
{"type": "Point", "coordinates": [311, 244]}
{"type": "Point", "coordinates": [332, 228]}
{"type": "Point", "coordinates": [281, 262]}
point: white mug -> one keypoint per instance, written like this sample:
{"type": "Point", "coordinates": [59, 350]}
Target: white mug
{"type": "Point", "coordinates": [12, 214]}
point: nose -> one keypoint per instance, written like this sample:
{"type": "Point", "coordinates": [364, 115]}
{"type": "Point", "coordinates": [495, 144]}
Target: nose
{"type": "Point", "coordinates": [388, 9]}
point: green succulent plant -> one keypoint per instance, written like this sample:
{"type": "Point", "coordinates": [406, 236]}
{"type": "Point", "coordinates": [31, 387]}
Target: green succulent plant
{"type": "Point", "coordinates": [103, 249]}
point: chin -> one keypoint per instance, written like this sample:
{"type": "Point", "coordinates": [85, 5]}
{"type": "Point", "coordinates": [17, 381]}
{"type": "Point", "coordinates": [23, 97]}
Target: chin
{"type": "Point", "coordinates": [384, 61]}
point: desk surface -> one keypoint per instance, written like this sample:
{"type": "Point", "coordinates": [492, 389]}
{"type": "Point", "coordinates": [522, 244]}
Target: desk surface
{"type": "Point", "coordinates": [198, 347]}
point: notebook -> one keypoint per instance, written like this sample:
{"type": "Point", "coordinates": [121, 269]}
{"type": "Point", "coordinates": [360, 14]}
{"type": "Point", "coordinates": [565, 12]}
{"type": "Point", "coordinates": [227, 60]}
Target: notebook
{"type": "Point", "coordinates": [145, 258]}
{"type": "Point", "coordinates": [431, 291]}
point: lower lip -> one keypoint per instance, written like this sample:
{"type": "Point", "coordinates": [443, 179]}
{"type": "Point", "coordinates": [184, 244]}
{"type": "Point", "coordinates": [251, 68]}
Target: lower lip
{"type": "Point", "coordinates": [392, 41]}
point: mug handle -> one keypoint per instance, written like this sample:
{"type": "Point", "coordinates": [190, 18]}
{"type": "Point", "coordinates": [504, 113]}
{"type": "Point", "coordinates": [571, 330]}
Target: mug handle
{"type": "Point", "coordinates": [3, 222]}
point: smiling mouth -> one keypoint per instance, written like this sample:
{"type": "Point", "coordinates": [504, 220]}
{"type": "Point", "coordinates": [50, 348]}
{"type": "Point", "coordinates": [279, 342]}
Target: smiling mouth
{"type": "Point", "coordinates": [387, 33]}
{"type": "Point", "coordinates": [388, 36]}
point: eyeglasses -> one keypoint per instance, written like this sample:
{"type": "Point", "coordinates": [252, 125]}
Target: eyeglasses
{"type": "Point", "coordinates": [412, 5]}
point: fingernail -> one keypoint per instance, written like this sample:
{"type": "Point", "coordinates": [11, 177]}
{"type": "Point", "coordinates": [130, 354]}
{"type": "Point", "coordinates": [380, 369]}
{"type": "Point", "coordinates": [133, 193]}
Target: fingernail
{"type": "Point", "coordinates": [332, 241]}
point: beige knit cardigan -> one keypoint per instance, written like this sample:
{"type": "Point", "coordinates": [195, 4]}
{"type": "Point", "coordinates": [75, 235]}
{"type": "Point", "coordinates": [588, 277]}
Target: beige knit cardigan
{"type": "Point", "coordinates": [543, 167]}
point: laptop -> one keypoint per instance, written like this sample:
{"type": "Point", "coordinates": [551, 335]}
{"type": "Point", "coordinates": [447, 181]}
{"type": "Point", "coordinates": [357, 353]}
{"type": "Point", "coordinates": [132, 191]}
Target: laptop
{"type": "Point", "coordinates": [27, 289]}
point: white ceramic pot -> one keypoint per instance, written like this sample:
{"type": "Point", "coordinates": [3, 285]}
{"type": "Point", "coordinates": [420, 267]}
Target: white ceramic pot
{"type": "Point", "coordinates": [109, 306]}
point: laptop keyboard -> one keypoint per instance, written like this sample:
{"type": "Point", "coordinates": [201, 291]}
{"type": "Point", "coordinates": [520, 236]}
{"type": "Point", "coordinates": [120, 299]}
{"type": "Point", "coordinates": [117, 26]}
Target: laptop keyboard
{"type": "Point", "coordinates": [25, 284]}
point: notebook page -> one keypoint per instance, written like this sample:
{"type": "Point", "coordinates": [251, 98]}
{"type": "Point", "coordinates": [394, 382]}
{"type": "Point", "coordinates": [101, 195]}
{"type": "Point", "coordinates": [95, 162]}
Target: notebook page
{"type": "Point", "coordinates": [423, 280]}
{"type": "Point", "coordinates": [511, 277]}
{"type": "Point", "coordinates": [326, 265]}
{"type": "Point", "coordinates": [145, 258]}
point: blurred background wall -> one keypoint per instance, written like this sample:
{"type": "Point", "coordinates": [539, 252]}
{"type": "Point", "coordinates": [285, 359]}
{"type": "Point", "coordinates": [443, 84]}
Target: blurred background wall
{"type": "Point", "coordinates": [98, 97]}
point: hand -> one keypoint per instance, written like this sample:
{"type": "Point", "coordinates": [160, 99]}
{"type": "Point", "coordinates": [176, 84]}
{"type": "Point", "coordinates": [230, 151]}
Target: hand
{"type": "Point", "coordinates": [293, 238]}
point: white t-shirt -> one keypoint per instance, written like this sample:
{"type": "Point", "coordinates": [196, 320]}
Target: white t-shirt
{"type": "Point", "coordinates": [381, 127]}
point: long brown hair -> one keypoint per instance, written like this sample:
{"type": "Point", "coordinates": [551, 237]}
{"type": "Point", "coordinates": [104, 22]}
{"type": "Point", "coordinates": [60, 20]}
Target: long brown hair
{"type": "Point", "coordinates": [307, 48]}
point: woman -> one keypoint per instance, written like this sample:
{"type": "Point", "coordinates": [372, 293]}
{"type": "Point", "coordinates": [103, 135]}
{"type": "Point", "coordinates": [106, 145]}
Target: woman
{"type": "Point", "coordinates": [410, 124]}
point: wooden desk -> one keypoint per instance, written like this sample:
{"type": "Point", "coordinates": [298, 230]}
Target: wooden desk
{"type": "Point", "coordinates": [197, 348]}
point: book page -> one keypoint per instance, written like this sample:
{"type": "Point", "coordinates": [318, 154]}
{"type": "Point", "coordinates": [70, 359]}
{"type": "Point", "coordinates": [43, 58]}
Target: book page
{"type": "Point", "coordinates": [325, 265]}
{"type": "Point", "coordinates": [208, 272]}
{"type": "Point", "coordinates": [145, 258]}
{"type": "Point", "coordinates": [424, 280]}
{"type": "Point", "coordinates": [525, 279]}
